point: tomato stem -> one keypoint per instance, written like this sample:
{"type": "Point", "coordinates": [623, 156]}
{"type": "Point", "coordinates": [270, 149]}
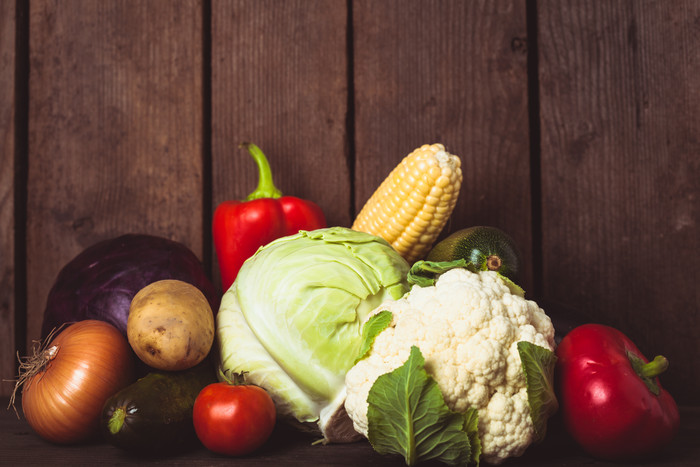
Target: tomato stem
{"type": "Point", "coordinates": [266, 188]}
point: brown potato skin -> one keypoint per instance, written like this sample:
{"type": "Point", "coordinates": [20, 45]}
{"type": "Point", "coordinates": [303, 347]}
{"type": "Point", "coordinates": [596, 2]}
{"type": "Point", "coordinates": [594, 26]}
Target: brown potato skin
{"type": "Point", "coordinates": [170, 325]}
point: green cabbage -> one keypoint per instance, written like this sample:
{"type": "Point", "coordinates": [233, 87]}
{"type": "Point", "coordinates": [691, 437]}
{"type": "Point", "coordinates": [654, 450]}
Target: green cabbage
{"type": "Point", "coordinates": [292, 320]}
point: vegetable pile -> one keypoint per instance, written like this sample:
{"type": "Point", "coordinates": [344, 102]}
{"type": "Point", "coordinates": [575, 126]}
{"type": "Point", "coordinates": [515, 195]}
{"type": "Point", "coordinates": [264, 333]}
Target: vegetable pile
{"type": "Point", "coordinates": [429, 351]}
{"type": "Point", "coordinates": [125, 306]}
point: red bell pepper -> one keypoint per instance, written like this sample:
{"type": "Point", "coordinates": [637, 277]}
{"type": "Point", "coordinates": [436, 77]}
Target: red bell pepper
{"type": "Point", "coordinates": [610, 397]}
{"type": "Point", "coordinates": [241, 227]}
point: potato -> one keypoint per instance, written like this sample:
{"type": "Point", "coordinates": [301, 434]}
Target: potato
{"type": "Point", "coordinates": [170, 325]}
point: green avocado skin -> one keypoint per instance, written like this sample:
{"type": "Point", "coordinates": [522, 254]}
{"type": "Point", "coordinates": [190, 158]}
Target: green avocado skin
{"type": "Point", "coordinates": [476, 245]}
{"type": "Point", "coordinates": [156, 410]}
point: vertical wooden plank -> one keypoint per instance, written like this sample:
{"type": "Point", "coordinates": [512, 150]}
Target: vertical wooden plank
{"type": "Point", "coordinates": [279, 79]}
{"type": "Point", "coordinates": [115, 130]}
{"type": "Point", "coordinates": [7, 195]}
{"type": "Point", "coordinates": [620, 95]}
{"type": "Point", "coordinates": [452, 72]}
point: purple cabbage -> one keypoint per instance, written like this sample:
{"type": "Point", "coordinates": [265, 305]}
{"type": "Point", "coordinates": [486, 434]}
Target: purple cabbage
{"type": "Point", "coordinates": [100, 282]}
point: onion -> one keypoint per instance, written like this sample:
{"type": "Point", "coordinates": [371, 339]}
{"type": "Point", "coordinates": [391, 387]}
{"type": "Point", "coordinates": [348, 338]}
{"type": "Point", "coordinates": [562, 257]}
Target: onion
{"type": "Point", "coordinates": [66, 383]}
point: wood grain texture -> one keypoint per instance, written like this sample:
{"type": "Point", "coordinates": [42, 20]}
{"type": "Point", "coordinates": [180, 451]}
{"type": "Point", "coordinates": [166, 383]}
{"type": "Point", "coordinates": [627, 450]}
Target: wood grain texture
{"type": "Point", "coordinates": [620, 95]}
{"type": "Point", "coordinates": [452, 72]}
{"type": "Point", "coordinates": [115, 131]}
{"type": "Point", "coordinates": [7, 196]}
{"type": "Point", "coordinates": [279, 80]}
{"type": "Point", "coordinates": [19, 445]}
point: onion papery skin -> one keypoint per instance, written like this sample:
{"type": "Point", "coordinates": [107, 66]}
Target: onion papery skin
{"type": "Point", "coordinates": [64, 400]}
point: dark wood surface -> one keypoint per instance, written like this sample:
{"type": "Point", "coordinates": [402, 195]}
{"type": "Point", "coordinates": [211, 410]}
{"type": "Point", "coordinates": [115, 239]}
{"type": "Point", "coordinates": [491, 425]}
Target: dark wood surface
{"type": "Point", "coordinates": [576, 123]}
{"type": "Point", "coordinates": [19, 445]}
{"type": "Point", "coordinates": [279, 79]}
{"type": "Point", "coordinates": [8, 178]}
{"type": "Point", "coordinates": [447, 72]}
{"type": "Point", "coordinates": [115, 140]}
{"type": "Point", "coordinates": [621, 172]}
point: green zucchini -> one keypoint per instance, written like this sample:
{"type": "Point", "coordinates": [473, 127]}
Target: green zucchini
{"type": "Point", "coordinates": [154, 414]}
{"type": "Point", "coordinates": [483, 247]}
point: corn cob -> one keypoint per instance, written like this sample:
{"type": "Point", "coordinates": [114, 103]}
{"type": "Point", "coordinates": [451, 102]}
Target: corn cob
{"type": "Point", "coordinates": [413, 204]}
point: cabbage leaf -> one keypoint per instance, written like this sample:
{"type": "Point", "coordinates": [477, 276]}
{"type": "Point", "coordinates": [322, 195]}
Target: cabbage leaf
{"type": "Point", "coordinates": [292, 320]}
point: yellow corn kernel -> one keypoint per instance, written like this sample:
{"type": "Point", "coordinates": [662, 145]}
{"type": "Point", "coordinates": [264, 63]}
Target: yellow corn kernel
{"type": "Point", "coordinates": [412, 205]}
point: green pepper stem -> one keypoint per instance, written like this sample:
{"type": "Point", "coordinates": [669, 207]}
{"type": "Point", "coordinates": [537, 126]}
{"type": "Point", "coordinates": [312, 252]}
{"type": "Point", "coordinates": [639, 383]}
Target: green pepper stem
{"type": "Point", "coordinates": [266, 188]}
{"type": "Point", "coordinates": [655, 367]}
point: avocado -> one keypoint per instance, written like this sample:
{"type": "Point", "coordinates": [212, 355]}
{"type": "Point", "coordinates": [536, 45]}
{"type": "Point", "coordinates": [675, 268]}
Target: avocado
{"type": "Point", "coordinates": [154, 414]}
{"type": "Point", "coordinates": [483, 247]}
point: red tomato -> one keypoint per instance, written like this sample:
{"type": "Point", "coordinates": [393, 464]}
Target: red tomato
{"type": "Point", "coordinates": [233, 419]}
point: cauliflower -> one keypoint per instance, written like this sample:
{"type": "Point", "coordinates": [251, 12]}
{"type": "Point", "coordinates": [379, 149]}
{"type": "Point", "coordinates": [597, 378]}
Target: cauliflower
{"type": "Point", "coordinates": [467, 326]}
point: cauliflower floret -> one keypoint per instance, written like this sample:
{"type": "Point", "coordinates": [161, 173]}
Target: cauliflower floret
{"type": "Point", "coordinates": [467, 327]}
{"type": "Point", "coordinates": [509, 425]}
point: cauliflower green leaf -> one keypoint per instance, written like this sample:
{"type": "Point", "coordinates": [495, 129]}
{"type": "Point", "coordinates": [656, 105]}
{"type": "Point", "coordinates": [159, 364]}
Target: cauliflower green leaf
{"type": "Point", "coordinates": [471, 426]}
{"type": "Point", "coordinates": [425, 273]}
{"type": "Point", "coordinates": [374, 325]}
{"type": "Point", "coordinates": [407, 415]}
{"type": "Point", "coordinates": [538, 366]}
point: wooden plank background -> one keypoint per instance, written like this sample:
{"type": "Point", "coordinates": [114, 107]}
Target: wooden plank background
{"type": "Point", "coordinates": [576, 123]}
{"type": "Point", "coordinates": [8, 111]}
{"type": "Point", "coordinates": [455, 79]}
{"type": "Point", "coordinates": [279, 79]}
{"type": "Point", "coordinates": [620, 102]}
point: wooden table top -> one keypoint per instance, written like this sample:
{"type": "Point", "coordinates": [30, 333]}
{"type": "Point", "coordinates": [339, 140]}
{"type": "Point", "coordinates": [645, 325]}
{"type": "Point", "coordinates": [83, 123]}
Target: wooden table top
{"type": "Point", "coordinates": [19, 445]}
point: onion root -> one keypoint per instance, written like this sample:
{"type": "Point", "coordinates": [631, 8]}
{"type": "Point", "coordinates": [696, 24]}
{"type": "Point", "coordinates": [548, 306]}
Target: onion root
{"type": "Point", "coordinates": [34, 364]}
